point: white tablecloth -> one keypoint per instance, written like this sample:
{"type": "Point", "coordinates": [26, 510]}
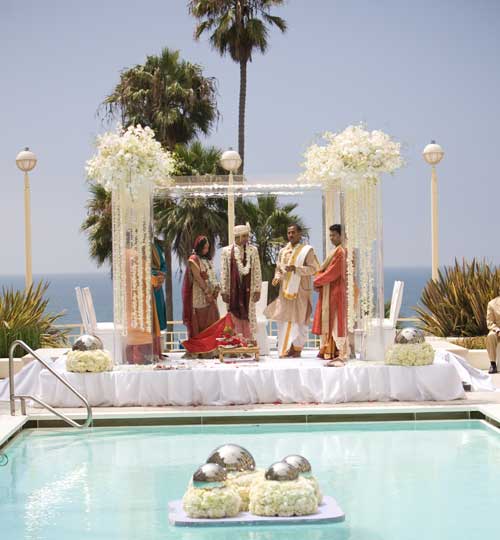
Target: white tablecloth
{"type": "Point", "coordinates": [271, 381]}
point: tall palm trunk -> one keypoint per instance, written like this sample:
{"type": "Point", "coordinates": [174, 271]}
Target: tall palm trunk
{"type": "Point", "coordinates": [241, 122]}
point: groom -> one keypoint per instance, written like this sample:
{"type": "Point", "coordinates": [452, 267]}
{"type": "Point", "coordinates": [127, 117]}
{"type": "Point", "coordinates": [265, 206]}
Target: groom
{"type": "Point", "coordinates": [296, 263]}
{"type": "Point", "coordinates": [241, 281]}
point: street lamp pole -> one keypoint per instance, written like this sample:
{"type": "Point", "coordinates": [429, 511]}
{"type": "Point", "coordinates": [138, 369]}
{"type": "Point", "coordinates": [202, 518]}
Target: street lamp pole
{"type": "Point", "coordinates": [26, 161]}
{"type": "Point", "coordinates": [433, 154]}
{"type": "Point", "coordinates": [230, 161]}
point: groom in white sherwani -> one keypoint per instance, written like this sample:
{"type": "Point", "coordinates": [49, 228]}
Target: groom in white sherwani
{"type": "Point", "coordinates": [296, 264]}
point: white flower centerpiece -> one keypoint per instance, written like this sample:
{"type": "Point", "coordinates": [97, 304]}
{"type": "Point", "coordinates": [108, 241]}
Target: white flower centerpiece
{"type": "Point", "coordinates": [410, 349]}
{"type": "Point", "coordinates": [208, 495]}
{"type": "Point", "coordinates": [282, 493]}
{"type": "Point", "coordinates": [240, 467]}
{"type": "Point", "coordinates": [93, 361]}
{"type": "Point", "coordinates": [352, 162]}
{"type": "Point", "coordinates": [305, 473]}
{"type": "Point", "coordinates": [131, 163]}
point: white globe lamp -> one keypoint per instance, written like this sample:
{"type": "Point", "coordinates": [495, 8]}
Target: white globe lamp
{"type": "Point", "coordinates": [231, 162]}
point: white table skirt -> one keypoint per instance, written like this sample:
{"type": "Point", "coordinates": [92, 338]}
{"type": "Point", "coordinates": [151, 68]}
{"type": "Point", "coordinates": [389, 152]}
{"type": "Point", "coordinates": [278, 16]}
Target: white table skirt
{"type": "Point", "coordinates": [271, 381]}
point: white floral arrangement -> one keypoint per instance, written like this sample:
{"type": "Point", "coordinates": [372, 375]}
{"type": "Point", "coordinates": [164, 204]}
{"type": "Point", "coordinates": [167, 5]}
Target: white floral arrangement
{"type": "Point", "coordinates": [352, 156]}
{"type": "Point", "coordinates": [353, 161]}
{"type": "Point", "coordinates": [130, 158]}
{"type": "Point", "coordinates": [213, 503]}
{"type": "Point", "coordinates": [93, 361]}
{"type": "Point", "coordinates": [283, 499]}
{"type": "Point", "coordinates": [410, 354]}
{"type": "Point", "coordinates": [242, 482]}
{"type": "Point", "coordinates": [313, 482]}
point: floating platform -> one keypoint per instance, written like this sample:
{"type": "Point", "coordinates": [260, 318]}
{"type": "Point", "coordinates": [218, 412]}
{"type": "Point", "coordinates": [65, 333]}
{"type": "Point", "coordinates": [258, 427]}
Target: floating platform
{"type": "Point", "coordinates": [328, 512]}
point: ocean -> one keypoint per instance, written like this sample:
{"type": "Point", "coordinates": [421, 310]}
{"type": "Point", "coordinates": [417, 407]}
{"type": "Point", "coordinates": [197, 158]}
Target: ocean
{"type": "Point", "coordinates": [62, 297]}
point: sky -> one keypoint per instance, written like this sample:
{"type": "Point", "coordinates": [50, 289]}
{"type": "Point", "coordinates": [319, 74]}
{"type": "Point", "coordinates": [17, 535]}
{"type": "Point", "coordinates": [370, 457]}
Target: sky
{"type": "Point", "coordinates": [419, 70]}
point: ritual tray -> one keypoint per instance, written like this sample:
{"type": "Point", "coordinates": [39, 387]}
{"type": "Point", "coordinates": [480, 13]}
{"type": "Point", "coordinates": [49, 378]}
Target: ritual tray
{"type": "Point", "coordinates": [228, 351]}
{"type": "Point", "coordinates": [328, 512]}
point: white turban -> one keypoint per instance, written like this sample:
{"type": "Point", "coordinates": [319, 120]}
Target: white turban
{"type": "Point", "coordinates": [242, 229]}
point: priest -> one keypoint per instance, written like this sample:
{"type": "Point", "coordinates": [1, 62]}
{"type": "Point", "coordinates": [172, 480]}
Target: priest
{"type": "Point", "coordinates": [330, 317]}
{"type": "Point", "coordinates": [241, 282]}
{"type": "Point", "coordinates": [295, 265]}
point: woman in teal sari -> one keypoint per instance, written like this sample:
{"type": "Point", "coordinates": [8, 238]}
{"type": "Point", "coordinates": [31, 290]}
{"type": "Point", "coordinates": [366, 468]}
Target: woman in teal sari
{"type": "Point", "coordinates": [158, 269]}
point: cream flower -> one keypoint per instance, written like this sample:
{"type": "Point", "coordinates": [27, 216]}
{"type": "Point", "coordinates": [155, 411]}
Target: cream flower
{"type": "Point", "coordinates": [242, 482]}
{"type": "Point", "coordinates": [211, 503]}
{"type": "Point", "coordinates": [292, 498]}
{"type": "Point", "coordinates": [89, 361]}
{"type": "Point", "coordinates": [410, 354]}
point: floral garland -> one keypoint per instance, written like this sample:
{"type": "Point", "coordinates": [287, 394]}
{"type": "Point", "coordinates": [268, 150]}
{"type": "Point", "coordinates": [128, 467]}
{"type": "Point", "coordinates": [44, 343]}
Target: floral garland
{"type": "Point", "coordinates": [243, 270]}
{"type": "Point", "coordinates": [130, 163]}
{"type": "Point", "coordinates": [351, 162]}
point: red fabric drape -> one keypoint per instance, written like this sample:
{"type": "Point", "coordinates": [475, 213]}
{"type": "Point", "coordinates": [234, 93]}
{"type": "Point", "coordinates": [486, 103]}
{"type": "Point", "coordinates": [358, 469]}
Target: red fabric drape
{"type": "Point", "coordinates": [206, 341]}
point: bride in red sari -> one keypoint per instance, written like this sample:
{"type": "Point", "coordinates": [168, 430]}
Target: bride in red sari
{"type": "Point", "coordinates": [200, 290]}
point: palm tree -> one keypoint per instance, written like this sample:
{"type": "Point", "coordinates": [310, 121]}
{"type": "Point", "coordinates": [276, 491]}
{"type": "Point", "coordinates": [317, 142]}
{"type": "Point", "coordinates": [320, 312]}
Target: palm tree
{"type": "Point", "coordinates": [196, 159]}
{"type": "Point", "coordinates": [170, 95]}
{"type": "Point", "coordinates": [173, 98]}
{"type": "Point", "coordinates": [269, 222]}
{"type": "Point", "coordinates": [97, 224]}
{"type": "Point", "coordinates": [237, 27]}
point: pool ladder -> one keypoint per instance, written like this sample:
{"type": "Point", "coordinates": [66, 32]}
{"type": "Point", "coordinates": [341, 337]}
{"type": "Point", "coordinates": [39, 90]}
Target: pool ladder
{"type": "Point", "coordinates": [23, 398]}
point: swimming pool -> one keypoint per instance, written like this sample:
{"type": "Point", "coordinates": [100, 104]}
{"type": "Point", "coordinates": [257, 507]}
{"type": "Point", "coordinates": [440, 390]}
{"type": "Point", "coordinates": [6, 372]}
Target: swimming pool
{"type": "Point", "coordinates": [398, 480]}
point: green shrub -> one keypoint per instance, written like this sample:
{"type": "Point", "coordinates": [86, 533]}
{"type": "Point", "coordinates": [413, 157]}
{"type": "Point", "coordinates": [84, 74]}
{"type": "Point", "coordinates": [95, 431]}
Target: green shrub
{"type": "Point", "coordinates": [23, 316]}
{"type": "Point", "coordinates": [471, 342]}
{"type": "Point", "coordinates": [455, 304]}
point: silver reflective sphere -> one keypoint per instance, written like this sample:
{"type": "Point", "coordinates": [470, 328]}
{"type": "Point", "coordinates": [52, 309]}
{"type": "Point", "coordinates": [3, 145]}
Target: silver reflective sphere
{"type": "Point", "coordinates": [210, 472]}
{"type": "Point", "coordinates": [282, 472]}
{"type": "Point", "coordinates": [88, 343]}
{"type": "Point", "coordinates": [233, 458]}
{"type": "Point", "coordinates": [410, 335]}
{"type": "Point", "coordinates": [299, 462]}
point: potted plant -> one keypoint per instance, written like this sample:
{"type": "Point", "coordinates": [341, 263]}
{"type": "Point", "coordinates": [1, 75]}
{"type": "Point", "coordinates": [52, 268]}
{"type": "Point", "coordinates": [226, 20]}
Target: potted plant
{"type": "Point", "coordinates": [23, 316]}
{"type": "Point", "coordinates": [454, 306]}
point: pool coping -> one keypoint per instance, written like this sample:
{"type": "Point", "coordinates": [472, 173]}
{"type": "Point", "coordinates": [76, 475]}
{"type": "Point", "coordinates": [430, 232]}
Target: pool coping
{"type": "Point", "coordinates": [109, 417]}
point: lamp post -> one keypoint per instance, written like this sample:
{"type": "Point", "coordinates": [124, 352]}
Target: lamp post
{"type": "Point", "coordinates": [433, 154]}
{"type": "Point", "coordinates": [26, 161]}
{"type": "Point", "coordinates": [230, 161]}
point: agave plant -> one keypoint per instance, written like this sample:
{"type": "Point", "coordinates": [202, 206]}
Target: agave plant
{"type": "Point", "coordinates": [455, 304]}
{"type": "Point", "coordinates": [23, 316]}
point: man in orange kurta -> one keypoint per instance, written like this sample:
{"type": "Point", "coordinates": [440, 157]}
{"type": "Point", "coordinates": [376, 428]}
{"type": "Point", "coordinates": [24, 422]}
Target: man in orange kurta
{"type": "Point", "coordinates": [330, 317]}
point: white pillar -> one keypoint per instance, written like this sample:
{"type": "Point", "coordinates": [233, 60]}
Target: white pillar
{"type": "Point", "coordinates": [230, 209]}
{"type": "Point", "coordinates": [434, 224]}
{"type": "Point", "coordinates": [27, 230]}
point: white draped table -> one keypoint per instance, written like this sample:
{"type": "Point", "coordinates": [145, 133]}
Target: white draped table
{"type": "Point", "coordinates": [270, 381]}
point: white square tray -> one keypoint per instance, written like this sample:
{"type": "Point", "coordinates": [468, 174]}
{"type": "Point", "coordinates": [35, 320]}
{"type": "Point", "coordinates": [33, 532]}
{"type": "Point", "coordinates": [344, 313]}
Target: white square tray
{"type": "Point", "coordinates": [328, 511]}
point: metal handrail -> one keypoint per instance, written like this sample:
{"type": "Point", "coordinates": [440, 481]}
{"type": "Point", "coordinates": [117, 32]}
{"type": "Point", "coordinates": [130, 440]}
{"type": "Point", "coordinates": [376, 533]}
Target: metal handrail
{"type": "Point", "coordinates": [23, 398]}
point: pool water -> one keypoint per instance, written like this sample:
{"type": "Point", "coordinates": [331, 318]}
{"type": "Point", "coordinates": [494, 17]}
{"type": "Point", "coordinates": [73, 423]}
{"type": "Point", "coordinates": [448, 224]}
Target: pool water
{"type": "Point", "coordinates": [395, 481]}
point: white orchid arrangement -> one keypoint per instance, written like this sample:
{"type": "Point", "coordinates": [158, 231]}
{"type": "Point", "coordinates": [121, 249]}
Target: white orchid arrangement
{"type": "Point", "coordinates": [211, 503]}
{"type": "Point", "coordinates": [132, 158]}
{"type": "Point", "coordinates": [410, 354]}
{"type": "Point", "coordinates": [242, 482]}
{"type": "Point", "coordinates": [284, 499]}
{"type": "Point", "coordinates": [353, 155]}
{"type": "Point", "coordinates": [94, 361]}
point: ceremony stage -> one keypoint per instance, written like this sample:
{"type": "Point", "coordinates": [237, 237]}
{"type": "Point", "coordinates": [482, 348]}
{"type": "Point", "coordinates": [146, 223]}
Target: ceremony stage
{"type": "Point", "coordinates": [271, 381]}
